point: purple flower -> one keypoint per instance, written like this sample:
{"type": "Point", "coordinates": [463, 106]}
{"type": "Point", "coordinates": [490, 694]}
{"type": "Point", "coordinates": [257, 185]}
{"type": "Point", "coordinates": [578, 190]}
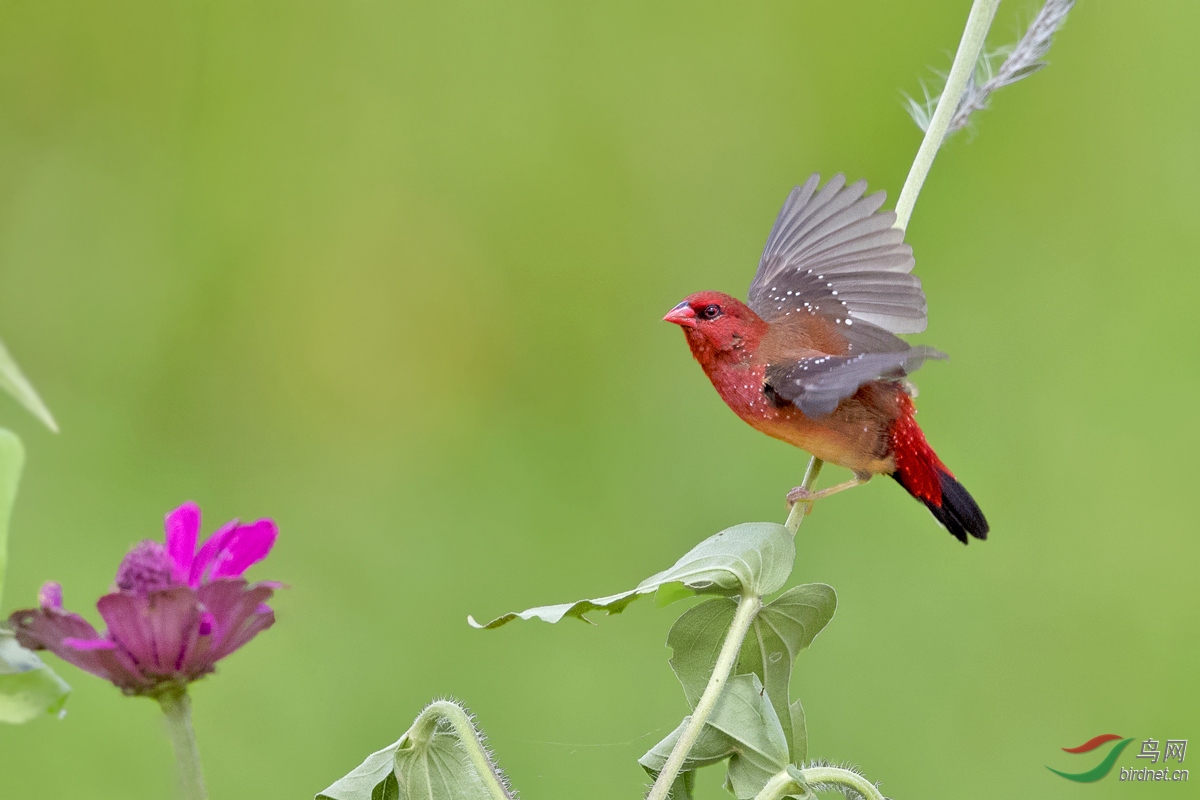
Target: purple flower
{"type": "Point", "coordinates": [175, 611]}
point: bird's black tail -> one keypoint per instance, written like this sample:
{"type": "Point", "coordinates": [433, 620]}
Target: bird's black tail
{"type": "Point", "coordinates": [953, 506]}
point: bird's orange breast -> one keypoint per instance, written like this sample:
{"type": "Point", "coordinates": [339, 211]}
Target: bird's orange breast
{"type": "Point", "coordinates": [854, 436]}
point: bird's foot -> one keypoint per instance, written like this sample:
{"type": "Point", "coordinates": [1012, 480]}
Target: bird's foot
{"type": "Point", "coordinates": [802, 495]}
{"type": "Point", "coordinates": [798, 494]}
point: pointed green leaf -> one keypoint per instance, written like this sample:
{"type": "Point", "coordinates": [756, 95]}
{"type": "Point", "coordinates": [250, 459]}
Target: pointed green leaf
{"type": "Point", "coordinates": [754, 557]}
{"type": "Point", "coordinates": [613, 604]}
{"type": "Point", "coordinates": [368, 780]}
{"type": "Point", "coordinates": [779, 632]}
{"type": "Point", "coordinates": [12, 460]}
{"type": "Point", "coordinates": [28, 688]}
{"type": "Point", "coordinates": [743, 728]}
{"type": "Point", "coordinates": [13, 381]}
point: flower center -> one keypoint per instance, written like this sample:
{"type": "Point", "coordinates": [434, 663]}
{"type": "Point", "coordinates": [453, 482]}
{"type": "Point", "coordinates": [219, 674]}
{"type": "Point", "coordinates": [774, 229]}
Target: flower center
{"type": "Point", "coordinates": [145, 568]}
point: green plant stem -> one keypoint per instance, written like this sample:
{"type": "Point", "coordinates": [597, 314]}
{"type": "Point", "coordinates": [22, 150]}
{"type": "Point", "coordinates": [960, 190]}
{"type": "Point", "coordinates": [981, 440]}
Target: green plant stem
{"type": "Point", "coordinates": [424, 727]}
{"type": "Point", "coordinates": [965, 60]}
{"type": "Point", "coordinates": [781, 785]}
{"type": "Point", "coordinates": [747, 608]}
{"type": "Point", "coordinates": [801, 508]}
{"type": "Point", "coordinates": [785, 783]}
{"type": "Point", "coordinates": [177, 707]}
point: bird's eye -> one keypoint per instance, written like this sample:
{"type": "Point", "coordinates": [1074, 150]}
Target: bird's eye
{"type": "Point", "coordinates": [711, 311]}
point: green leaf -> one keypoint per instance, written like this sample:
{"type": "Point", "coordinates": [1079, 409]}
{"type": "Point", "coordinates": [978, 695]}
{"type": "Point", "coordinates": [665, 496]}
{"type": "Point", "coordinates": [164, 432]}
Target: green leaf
{"type": "Point", "coordinates": [440, 770]}
{"type": "Point", "coordinates": [695, 641]}
{"type": "Point", "coordinates": [799, 748]}
{"type": "Point", "coordinates": [712, 747]}
{"type": "Point", "coordinates": [779, 632]}
{"type": "Point", "coordinates": [744, 714]}
{"type": "Point", "coordinates": [364, 780]}
{"type": "Point", "coordinates": [13, 381]}
{"type": "Point", "coordinates": [441, 757]}
{"type": "Point", "coordinates": [28, 688]}
{"type": "Point", "coordinates": [743, 728]}
{"type": "Point", "coordinates": [754, 557]}
{"type": "Point", "coordinates": [12, 460]}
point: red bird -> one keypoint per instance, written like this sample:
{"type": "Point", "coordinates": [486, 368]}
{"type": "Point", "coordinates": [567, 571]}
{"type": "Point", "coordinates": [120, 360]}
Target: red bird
{"type": "Point", "coordinates": [813, 358]}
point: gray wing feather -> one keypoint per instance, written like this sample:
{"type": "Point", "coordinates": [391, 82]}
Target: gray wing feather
{"type": "Point", "coordinates": [817, 385]}
{"type": "Point", "coordinates": [832, 252]}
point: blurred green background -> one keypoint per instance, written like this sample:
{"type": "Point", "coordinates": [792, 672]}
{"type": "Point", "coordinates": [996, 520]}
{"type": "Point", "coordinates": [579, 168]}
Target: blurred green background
{"type": "Point", "coordinates": [393, 274]}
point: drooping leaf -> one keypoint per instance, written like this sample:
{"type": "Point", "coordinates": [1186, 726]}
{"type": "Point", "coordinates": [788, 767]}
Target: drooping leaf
{"type": "Point", "coordinates": [28, 688]}
{"type": "Point", "coordinates": [779, 632]}
{"type": "Point", "coordinates": [13, 381]}
{"type": "Point", "coordinates": [613, 604]}
{"type": "Point", "coordinates": [744, 728]}
{"type": "Point", "coordinates": [441, 757]}
{"type": "Point", "coordinates": [754, 557]}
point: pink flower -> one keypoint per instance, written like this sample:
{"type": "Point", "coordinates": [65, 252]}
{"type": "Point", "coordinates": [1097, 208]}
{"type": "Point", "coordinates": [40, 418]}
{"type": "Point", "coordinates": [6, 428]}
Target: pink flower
{"type": "Point", "coordinates": [175, 611]}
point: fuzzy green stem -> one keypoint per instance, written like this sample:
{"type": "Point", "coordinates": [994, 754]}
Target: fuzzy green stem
{"type": "Point", "coordinates": [425, 726]}
{"type": "Point", "coordinates": [748, 607]}
{"type": "Point", "coordinates": [965, 60]}
{"type": "Point", "coordinates": [801, 508]}
{"type": "Point", "coordinates": [177, 707]}
{"type": "Point", "coordinates": [781, 785]}
{"type": "Point", "coordinates": [798, 781]}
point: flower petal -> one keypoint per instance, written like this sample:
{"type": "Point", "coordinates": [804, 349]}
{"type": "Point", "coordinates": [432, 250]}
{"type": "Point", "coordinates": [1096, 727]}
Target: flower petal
{"type": "Point", "coordinates": [212, 546]}
{"type": "Point", "coordinates": [248, 545]}
{"type": "Point", "coordinates": [127, 615]}
{"type": "Point", "coordinates": [74, 640]}
{"type": "Point", "coordinates": [175, 621]}
{"type": "Point", "coordinates": [237, 617]}
{"type": "Point", "coordinates": [90, 644]}
{"type": "Point", "coordinates": [182, 528]}
{"type": "Point", "coordinates": [156, 629]}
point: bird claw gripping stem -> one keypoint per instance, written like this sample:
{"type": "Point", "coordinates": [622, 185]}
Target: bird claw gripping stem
{"type": "Point", "coordinates": [802, 495]}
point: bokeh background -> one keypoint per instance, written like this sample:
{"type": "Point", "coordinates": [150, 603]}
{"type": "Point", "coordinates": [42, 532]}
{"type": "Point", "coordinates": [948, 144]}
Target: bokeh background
{"type": "Point", "coordinates": [393, 273]}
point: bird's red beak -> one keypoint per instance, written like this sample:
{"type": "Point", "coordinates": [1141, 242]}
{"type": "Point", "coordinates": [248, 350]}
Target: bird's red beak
{"type": "Point", "coordinates": [682, 315]}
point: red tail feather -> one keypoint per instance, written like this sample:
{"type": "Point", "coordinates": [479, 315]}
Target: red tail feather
{"type": "Point", "coordinates": [922, 473]}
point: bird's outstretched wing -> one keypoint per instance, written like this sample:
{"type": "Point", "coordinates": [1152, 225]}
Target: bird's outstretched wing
{"type": "Point", "coordinates": [817, 384]}
{"type": "Point", "coordinates": [832, 253]}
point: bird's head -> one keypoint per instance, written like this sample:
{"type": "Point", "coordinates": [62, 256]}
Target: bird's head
{"type": "Point", "coordinates": [716, 325]}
